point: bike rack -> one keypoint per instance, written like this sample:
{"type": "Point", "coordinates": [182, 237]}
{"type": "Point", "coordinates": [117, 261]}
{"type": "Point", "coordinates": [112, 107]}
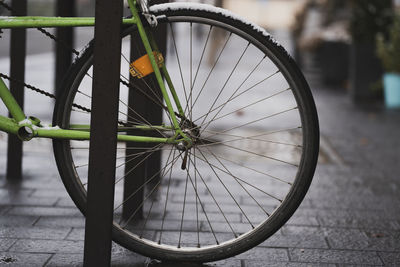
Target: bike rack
{"type": "Point", "coordinates": [103, 141]}
{"type": "Point", "coordinates": [153, 113]}
{"type": "Point", "coordinates": [17, 71]}
{"type": "Point", "coordinates": [66, 36]}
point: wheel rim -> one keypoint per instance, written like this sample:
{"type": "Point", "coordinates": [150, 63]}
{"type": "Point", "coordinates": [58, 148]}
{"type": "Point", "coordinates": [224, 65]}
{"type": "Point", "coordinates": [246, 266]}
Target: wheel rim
{"type": "Point", "coordinates": [176, 239]}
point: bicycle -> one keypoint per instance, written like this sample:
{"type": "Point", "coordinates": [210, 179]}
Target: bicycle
{"type": "Point", "coordinates": [237, 157]}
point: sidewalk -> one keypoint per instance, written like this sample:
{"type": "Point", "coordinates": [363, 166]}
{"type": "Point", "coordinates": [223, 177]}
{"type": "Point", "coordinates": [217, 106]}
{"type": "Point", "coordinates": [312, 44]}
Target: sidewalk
{"type": "Point", "coordinates": [351, 214]}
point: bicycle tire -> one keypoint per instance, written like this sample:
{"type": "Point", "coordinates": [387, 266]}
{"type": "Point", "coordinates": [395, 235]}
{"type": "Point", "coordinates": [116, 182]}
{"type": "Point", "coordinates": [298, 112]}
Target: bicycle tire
{"type": "Point", "coordinates": [298, 87]}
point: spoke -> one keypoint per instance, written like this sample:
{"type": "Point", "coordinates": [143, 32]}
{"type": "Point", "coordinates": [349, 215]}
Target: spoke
{"type": "Point", "coordinates": [166, 202]}
{"type": "Point", "coordinates": [191, 73]}
{"type": "Point", "coordinates": [152, 202]}
{"type": "Point", "coordinates": [260, 155]}
{"type": "Point", "coordinates": [223, 165]}
{"type": "Point", "coordinates": [258, 120]}
{"type": "Point", "coordinates": [145, 183]}
{"type": "Point", "coordinates": [145, 121]}
{"type": "Point", "coordinates": [246, 138]}
{"type": "Point", "coordinates": [252, 169]}
{"type": "Point", "coordinates": [258, 135]}
{"type": "Point", "coordinates": [215, 201]}
{"type": "Point", "coordinates": [252, 137]}
{"type": "Point", "coordinates": [226, 188]}
{"type": "Point", "coordinates": [212, 69]}
{"type": "Point", "coordinates": [141, 117]}
{"type": "Point", "coordinates": [141, 205]}
{"type": "Point", "coordinates": [237, 89]}
{"type": "Point", "coordinates": [81, 111]}
{"type": "Point", "coordinates": [136, 155]}
{"type": "Point", "coordinates": [183, 208]}
{"type": "Point", "coordinates": [197, 209]}
{"type": "Point", "coordinates": [159, 100]}
{"type": "Point", "coordinates": [236, 96]}
{"type": "Point", "coordinates": [202, 207]}
{"type": "Point", "coordinates": [198, 67]}
{"type": "Point", "coordinates": [132, 169]}
{"type": "Point", "coordinates": [243, 181]}
{"type": "Point", "coordinates": [225, 84]}
{"type": "Point", "coordinates": [242, 108]}
{"type": "Point", "coordinates": [179, 62]}
{"type": "Point", "coordinates": [134, 87]}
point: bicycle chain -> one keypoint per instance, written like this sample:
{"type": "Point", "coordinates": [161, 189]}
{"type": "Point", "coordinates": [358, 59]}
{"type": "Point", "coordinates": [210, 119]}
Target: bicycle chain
{"type": "Point", "coordinates": [45, 32]}
{"type": "Point", "coordinates": [40, 91]}
{"type": "Point", "coordinates": [66, 46]}
{"type": "Point", "coordinates": [31, 87]}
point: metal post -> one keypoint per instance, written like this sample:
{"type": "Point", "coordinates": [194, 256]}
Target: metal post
{"type": "Point", "coordinates": [17, 72]}
{"type": "Point", "coordinates": [136, 171]}
{"type": "Point", "coordinates": [66, 36]}
{"type": "Point", "coordinates": [102, 153]}
{"type": "Point", "coordinates": [155, 112]}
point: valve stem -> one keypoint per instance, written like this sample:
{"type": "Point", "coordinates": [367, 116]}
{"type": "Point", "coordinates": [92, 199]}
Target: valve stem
{"type": "Point", "coordinates": [184, 162]}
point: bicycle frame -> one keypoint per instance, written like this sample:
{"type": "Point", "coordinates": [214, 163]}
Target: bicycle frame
{"type": "Point", "coordinates": [27, 128]}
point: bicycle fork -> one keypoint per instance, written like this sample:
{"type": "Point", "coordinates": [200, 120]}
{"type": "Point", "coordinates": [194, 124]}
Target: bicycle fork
{"type": "Point", "coordinates": [185, 142]}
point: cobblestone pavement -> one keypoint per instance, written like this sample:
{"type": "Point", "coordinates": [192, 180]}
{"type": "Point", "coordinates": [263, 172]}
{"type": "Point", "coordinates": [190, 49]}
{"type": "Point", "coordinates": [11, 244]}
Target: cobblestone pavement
{"type": "Point", "coordinates": [351, 215]}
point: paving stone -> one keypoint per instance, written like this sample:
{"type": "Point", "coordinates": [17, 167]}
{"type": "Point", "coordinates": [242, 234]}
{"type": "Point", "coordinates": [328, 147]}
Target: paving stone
{"type": "Point", "coordinates": [295, 241]}
{"type": "Point", "coordinates": [15, 220]}
{"type": "Point", "coordinates": [65, 202]}
{"type": "Point", "coordinates": [267, 254]}
{"type": "Point", "coordinates": [6, 243]}
{"type": "Point", "coordinates": [379, 240]}
{"type": "Point", "coordinates": [50, 193]}
{"type": "Point", "coordinates": [227, 263]}
{"type": "Point", "coordinates": [47, 246]}
{"type": "Point", "coordinates": [76, 234]}
{"type": "Point", "coordinates": [12, 191]}
{"type": "Point", "coordinates": [34, 232]}
{"type": "Point", "coordinates": [255, 263]}
{"type": "Point", "coordinates": [3, 209]}
{"type": "Point", "coordinates": [23, 259]}
{"type": "Point", "coordinates": [61, 221]}
{"type": "Point", "coordinates": [353, 239]}
{"type": "Point", "coordinates": [299, 230]}
{"type": "Point", "coordinates": [366, 223]}
{"type": "Point", "coordinates": [302, 220]}
{"type": "Point", "coordinates": [44, 211]}
{"type": "Point", "coordinates": [66, 260]}
{"type": "Point", "coordinates": [27, 201]}
{"type": "Point", "coordinates": [390, 258]}
{"type": "Point", "coordinates": [121, 256]}
{"type": "Point", "coordinates": [32, 180]}
{"type": "Point", "coordinates": [334, 256]}
{"type": "Point", "coordinates": [223, 263]}
{"type": "Point", "coordinates": [383, 240]}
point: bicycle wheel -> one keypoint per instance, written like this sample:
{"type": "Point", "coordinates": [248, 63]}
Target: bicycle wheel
{"type": "Point", "coordinates": [255, 130]}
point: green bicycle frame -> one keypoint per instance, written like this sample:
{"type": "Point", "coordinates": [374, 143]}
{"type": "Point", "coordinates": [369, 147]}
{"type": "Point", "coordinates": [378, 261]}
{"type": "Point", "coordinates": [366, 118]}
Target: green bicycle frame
{"type": "Point", "coordinates": [27, 128]}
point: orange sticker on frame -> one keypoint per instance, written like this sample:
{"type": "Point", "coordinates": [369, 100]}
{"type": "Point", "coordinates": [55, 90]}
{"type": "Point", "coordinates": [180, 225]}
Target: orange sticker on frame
{"type": "Point", "coordinates": [142, 66]}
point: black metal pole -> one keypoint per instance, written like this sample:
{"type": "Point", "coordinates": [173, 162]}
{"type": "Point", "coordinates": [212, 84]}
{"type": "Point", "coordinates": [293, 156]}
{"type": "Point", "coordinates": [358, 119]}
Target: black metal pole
{"type": "Point", "coordinates": [17, 72]}
{"type": "Point", "coordinates": [138, 168]}
{"type": "Point", "coordinates": [135, 169]}
{"type": "Point", "coordinates": [154, 111]}
{"type": "Point", "coordinates": [102, 153]}
{"type": "Point", "coordinates": [66, 36]}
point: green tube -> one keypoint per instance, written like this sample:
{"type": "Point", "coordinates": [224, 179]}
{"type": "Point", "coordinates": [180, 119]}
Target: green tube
{"type": "Point", "coordinates": [10, 102]}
